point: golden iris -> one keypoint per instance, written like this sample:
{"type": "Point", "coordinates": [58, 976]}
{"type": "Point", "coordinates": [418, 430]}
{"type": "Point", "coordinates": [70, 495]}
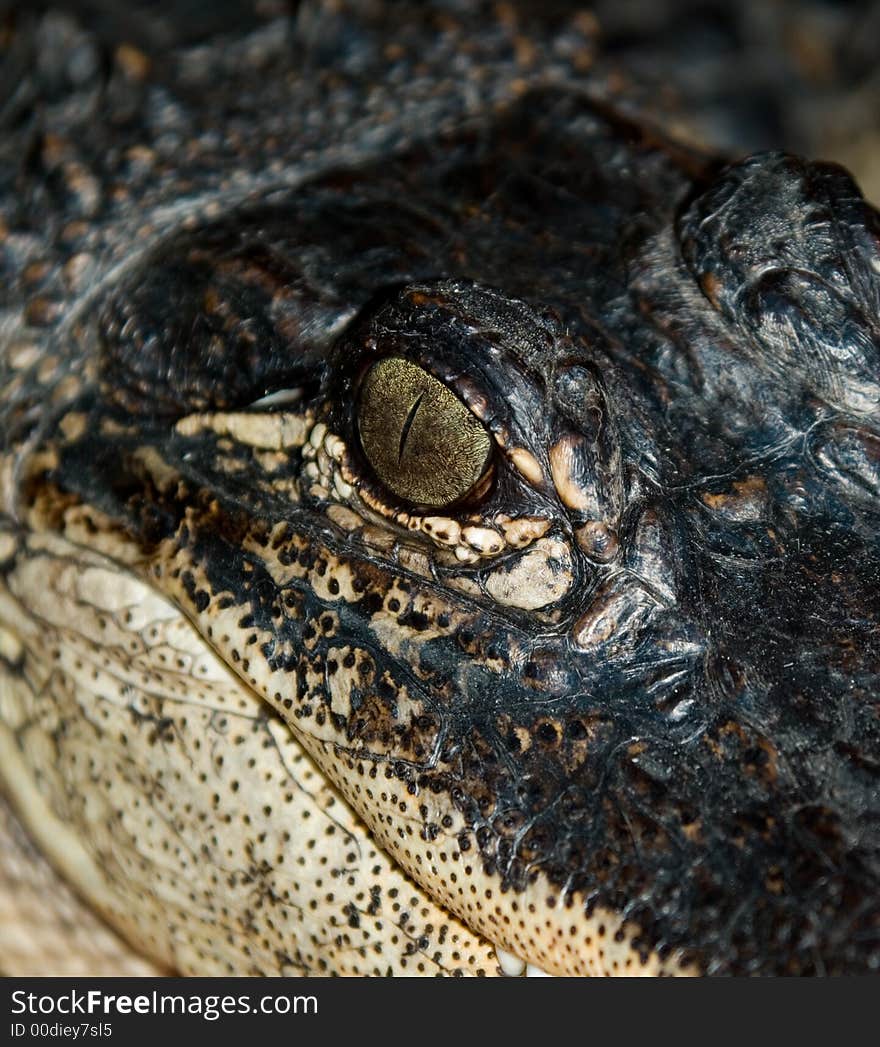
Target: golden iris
{"type": "Point", "coordinates": [423, 442]}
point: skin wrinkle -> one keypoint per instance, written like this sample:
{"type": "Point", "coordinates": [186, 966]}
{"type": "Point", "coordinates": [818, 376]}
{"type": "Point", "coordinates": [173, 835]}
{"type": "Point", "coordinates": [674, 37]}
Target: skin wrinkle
{"type": "Point", "coordinates": [637, 735]}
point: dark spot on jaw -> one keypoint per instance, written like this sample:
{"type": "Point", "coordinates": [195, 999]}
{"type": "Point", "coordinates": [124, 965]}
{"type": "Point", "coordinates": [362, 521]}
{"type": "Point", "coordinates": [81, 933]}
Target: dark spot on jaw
{"type": "Point", "coordinates": [547, 733]}
{"type": "Point", "coordinates": [415, 620]}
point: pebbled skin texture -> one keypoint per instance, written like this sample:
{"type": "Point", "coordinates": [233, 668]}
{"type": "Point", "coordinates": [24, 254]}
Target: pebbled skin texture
{"type": "Point", "coordinates": [616, 712]}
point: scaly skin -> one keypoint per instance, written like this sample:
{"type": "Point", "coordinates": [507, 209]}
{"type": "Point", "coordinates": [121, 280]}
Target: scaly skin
{"type": "Point", "coordinates": [614, 711]}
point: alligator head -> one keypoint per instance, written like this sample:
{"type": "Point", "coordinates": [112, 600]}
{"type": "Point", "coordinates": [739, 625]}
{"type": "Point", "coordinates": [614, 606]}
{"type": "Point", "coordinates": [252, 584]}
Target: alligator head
{"type": "Point", "coordinates": [527, 480]}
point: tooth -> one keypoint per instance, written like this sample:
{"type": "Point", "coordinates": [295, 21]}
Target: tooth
{"type": "Point", "coordinates": [535, 972]}
{"type": "Point", "coordinates": [512, 966]}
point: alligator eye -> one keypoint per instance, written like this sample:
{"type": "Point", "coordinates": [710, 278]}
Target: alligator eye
{"type": "Point", "coordinates": [423, 442]}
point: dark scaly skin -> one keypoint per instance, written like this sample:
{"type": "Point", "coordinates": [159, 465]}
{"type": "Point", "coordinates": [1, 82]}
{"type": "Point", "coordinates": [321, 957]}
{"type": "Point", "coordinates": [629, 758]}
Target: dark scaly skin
{"type": "Point", "coordinates": [685, 739]}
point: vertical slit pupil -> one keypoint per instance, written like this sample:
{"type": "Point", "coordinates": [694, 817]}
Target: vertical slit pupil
{"type": "Point", "coordinates": [407, 425]}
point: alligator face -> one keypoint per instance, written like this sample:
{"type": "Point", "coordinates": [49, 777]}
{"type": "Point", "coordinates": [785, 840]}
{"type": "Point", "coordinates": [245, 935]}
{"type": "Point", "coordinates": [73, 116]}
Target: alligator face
{"type": "Point", "coordinates": [526, 478]}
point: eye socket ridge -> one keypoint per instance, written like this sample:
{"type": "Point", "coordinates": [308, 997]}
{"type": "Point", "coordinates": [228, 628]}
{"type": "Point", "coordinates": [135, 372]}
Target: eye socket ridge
{"type": "Point", "coordinates": [422, 441]}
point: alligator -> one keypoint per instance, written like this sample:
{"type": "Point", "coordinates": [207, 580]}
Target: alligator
{"type": "Point", "coordinates": [439, 510]}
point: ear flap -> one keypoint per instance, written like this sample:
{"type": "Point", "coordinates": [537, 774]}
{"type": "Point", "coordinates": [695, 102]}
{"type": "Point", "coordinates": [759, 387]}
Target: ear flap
{"type": "Point", "coordinates": [220, 316]}
{"type": "Point", "coordinates": [201, 325]}
{"type": "Point", "coordinates": [789, 252]}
